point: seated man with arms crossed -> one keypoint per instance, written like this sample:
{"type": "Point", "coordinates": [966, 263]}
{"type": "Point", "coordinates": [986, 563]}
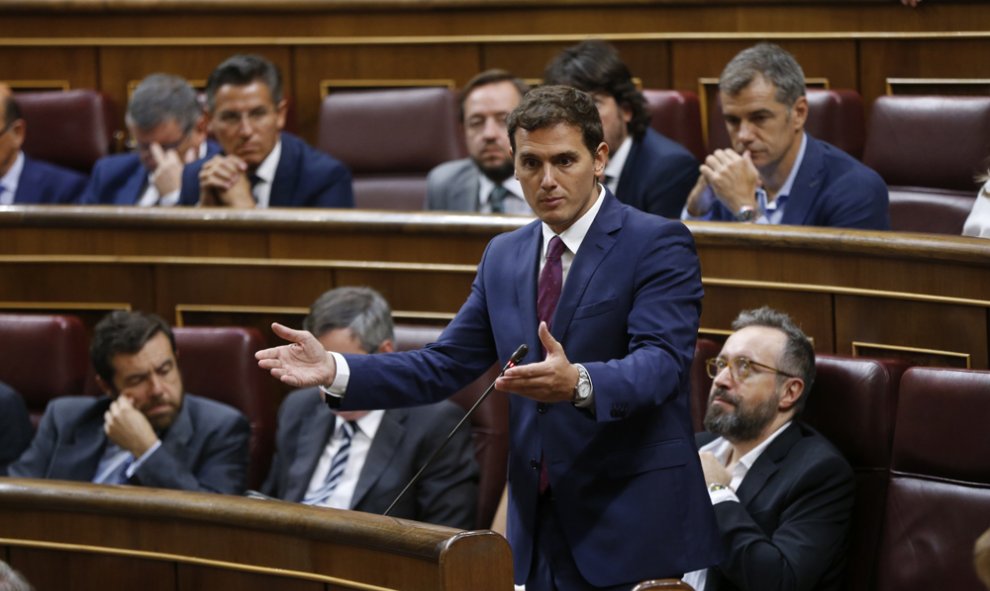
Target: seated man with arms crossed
{"type": "Point", "coordinates": [361, 460]}
{"type": "Point", "coordinates": [783, 495]}
{"type": "Point", "coordinates": [145, 430]}
{"type": "Point", "coordinates": [484, 182]}
{"type": "Point", "coordinates": [776, 173]}
{"type": "Point", "coordinates": [168, 126]}
{"type": "Point", "coordinates": [261, 166]}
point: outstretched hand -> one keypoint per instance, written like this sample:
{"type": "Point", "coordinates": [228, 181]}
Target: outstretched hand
{"type": "Point", "coordinates": [550, 380]}
{"type": "Point", "coordinates": [300, 364]}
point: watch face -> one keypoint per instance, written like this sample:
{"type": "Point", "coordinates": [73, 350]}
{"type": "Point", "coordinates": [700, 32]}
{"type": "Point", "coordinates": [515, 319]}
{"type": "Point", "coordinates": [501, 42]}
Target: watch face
{"type": "Point", "coordinates": [746, 215]}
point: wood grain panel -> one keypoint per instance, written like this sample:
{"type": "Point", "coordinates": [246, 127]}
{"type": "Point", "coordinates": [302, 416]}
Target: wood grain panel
{"type": "Point", "coordinates": [78, 66]}
{"type": "Point", "coordinates": [137, 241]}
{"type": "Point", "coordinates": [193, 577]}
{"type": "Point", "coordinates": [52, 570]}
{"type": "Point", "coordinates": [57, 281]}
{"type": "Point", "coordinates": [811, 311]}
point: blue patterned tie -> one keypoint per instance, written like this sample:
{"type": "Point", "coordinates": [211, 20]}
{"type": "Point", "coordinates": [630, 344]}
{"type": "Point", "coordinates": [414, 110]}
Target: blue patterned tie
{"type": "Point", "coordinates": [337, 466]}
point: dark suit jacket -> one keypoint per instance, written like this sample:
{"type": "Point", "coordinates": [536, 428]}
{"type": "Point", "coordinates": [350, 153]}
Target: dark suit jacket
{"type": "Point", "coordinates": [15, 426]}
{"type": "Point", "coordinates": [120, 179]}
{"type": "Point", "coordinates": [304, 177]}
{"type": "Point", "coordinates": [446, 494]}
{"type": "Point", "coordinates": [627, 482]}
{"type": "Point", "coordinates": [657, 176]}
{"type": "Point", "coordinates": [453, 186]}
{"type": "Point", "coordinates": [790, 528]}
{"type": "Point", "coordinates": [831, 189]}
{"type": "Point", "coordinates": [42, 183]}
{"type": "Point", "coordinates": [205, 449]}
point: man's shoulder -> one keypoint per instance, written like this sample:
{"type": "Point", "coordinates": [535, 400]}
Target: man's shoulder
{"type": "Point", "coordinates": [811, 451]}
{"type": "Point", "coordinates": [304, 400]}
{"type": "Point", "coordinates": [50, 170]}
{"type": "Point", "coordinates": [658, 146]}
{"type": "Point", "coordinates": [201, 408]}
{"type": "Point", "coordinates": [116, 163]}
{"type": "Point", "coordinates": [72, 408]}
{"type": "Point", "coordinates": [445, 171]}
{"type": "Point", "coordinates": [309, 157]}
{"type": "Point", "coordinates": [840, 165]}
{"type": "Point", "coordinates": [431, 421]}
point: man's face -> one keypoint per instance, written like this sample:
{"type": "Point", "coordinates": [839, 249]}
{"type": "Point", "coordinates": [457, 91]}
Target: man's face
{"type": "Point", "coordinates": [741, 409]}
{"type": "Point", "coordinates": [246, 121]}
{"type": "Point", "coordinates": [558, 173]}
{"type": "Point", "coordinates": [11, 139]}
{"type": "Point", "coordinates": [757, 122]}
{"type": "Point", "coordinates": [167, 134]}
{"type": "Point", "coordinates": [151, 379]}
{"type": "Point", "coordinates": [342, 340]}
{"type": "Point", "coordinates": [485, 110]}
{"type": "Point", "coordinates": [615, 118]}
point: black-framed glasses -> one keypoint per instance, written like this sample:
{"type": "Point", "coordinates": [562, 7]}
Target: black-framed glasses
{"type": "Point", "coordinates": [740, 368]}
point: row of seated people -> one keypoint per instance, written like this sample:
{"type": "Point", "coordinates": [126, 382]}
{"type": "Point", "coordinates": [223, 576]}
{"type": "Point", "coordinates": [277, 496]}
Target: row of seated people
{"type": "Point", "coordinates": [926, 150]}
{"type": "Point", "coordinates": [904, 485]}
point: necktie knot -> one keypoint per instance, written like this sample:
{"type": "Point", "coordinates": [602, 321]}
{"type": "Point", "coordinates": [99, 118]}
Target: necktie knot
{"type": "Point", "coordinates": [496, 199]}
{"type": "Point", "coordinates": [555, 249]}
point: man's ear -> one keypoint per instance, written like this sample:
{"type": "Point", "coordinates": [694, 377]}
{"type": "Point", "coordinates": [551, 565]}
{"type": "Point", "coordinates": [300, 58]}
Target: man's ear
{"type": "Point", "coordinates": [799, 112]}
{"type": "Point", "coordinates": [791, 394]}
{"type": "Point", "coordinates": [387, 346]}
{"type": "Point", "coordinates": [601, 159]}
{"type": "Point", "coordinates": [281, 111]}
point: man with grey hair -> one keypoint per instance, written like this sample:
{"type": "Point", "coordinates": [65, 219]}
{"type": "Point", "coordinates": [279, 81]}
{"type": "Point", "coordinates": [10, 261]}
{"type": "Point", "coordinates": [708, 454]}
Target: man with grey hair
{"type": "Point", "coordinates": [168, 130]}
{"type": "Point", "coordinates": [783, 496]}
{"type": "Point", "coordinates": [11, 580]}
{"type": "Point", "coordinates": [361, 460]}
{"type": "Point", "coordinates": [775, 172]}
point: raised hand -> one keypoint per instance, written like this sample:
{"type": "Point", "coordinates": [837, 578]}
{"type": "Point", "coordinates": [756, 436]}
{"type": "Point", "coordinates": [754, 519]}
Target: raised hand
{"type": "Point", "coordinates": [300, 364]}
{"type": "Point", "coordinates": [550, 380]}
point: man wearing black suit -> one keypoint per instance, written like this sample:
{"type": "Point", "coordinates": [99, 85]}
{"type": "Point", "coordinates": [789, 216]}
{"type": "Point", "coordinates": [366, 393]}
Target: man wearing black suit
{"type": "Point", "coordinates": [24, 180]}
{"type": "Point", "coordinates": [260, 165]}
{"type": "Point", "coordinates": [646, 169]}
{"type": "Point", "coordinates": [15, 426]}
{"type": "Point", "coordinates": [384, 449]}
{"type": "Point", "coordinates": [146, 430]}
{"type": "Point", "coordinates": [783, 496]}
{"type": "Point", "coordinates": [167, 126]}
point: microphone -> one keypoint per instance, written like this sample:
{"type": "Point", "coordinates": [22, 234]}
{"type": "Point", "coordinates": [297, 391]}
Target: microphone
{"type": "Point", "coordinates": [517, 356]}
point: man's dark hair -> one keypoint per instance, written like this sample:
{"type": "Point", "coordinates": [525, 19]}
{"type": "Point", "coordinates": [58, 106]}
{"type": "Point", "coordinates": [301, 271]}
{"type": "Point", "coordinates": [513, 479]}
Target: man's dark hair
{"type": "Point", "coordinates": [547, 106]}
{"type": "Point", "coordinates": [11, 111]}
{"type": "Point", "coordinates": [123, 332]}
{"type": "Point", "coordinates": [769, 61]}
{"type": "Point", "coordinates": [798, 357]}
{"type": "Point", "coordinates": [594, 66]}
{"type": "Point", "coordinates": [161, 97]}
{"type": "Point", "coordinates": [493, 76]}
{"type": "Point", "coordinates": [361, 309]}
{"type": "Point", "coordinates": [241, 70]}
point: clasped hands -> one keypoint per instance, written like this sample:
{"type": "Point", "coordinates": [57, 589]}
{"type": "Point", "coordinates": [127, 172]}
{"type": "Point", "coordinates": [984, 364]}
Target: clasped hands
{"type": "Point", "coordinates": [733, 179]}
{"type": "Point", "coordinates": [304, 363]}
{"type": "Point", "coordinates": [223, 180]}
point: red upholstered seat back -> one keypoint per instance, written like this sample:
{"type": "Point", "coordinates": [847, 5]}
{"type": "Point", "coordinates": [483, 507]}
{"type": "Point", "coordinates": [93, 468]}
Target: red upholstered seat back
{"type": "Point", "coordinates": [72, 128]}
{"type": "Point", "coordinates": [43, 357]}
{"type": "Point", "coordinates": [677, 115]}
{"type": "Point", "coordinates": [218, 363]}
{"type": "Point", "coordinates": [390, 139]}
{"type": "Point", "coordinates": [701, 384]}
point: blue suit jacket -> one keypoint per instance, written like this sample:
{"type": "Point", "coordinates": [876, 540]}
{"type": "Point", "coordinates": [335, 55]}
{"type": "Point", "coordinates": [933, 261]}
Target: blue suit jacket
{"type": "Point", "coordinates": [831, 189]}
{"type": "Point", "coordinates": [447, 493]}
{"type": "Point", "coordinates": [119, 179]}
{"type": "Point", "coordinates": [304, 177]}
{"type": "Point", "coordinates": [626, 481]}
{"type": "Point", "coordinates": [15, 426]}
{"type": "Point", "coordinates": [42, 183]}
{"type": "Point", "coordinates": [790, 528]}
{"type": "Point", "coordinates": [205, 449]}
{"type": "Point", "coordinates": [657, 176]}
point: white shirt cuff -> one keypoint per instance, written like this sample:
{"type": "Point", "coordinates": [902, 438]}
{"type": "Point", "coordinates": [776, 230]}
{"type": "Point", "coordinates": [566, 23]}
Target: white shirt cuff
{"type": "Point", "coordinates": [339, 385]}
{"type": "Point", "coordinates": [137, 463]}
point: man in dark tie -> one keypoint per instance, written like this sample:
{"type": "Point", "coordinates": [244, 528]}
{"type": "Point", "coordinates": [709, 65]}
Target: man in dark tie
{"type": "Point", "coordinates": [362, 459]}
{"type": "Point", "coordinates": [146, 430]}
{"type": "Point", "coordinates": [483, 182]}
{"type": "Point", "coordinates": [261, 165]}
{"type": "Point", "coordinates": [605, 485]}
{"type": "Point", "coordinates": [168, 130]}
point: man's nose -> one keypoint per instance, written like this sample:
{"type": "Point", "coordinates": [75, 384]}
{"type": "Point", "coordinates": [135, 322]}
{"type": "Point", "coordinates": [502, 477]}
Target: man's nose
{"type": "Point", "coordinates": [492, 129]}
{"type": "Point", "coordinates": [549, 179]}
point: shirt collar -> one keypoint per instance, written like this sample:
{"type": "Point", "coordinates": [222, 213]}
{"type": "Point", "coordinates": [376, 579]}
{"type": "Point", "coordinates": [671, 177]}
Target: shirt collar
{"type": "Point", "coordinates": [785, 189]}
{"type": "Point", "coordinates": [573, 236]}
{"type": "Point", "coordinates": [11, 180]}
{"type": "Point", "coordinates": [485, 186]}
{"type": "Point", "coordinates": [266, 170]}
{"type": "Point", "coordinates": [617, 161]}
{"type": "Point", "coordinates": [368, 424]}
{"type": "Point", "coordinates": [721, 447]}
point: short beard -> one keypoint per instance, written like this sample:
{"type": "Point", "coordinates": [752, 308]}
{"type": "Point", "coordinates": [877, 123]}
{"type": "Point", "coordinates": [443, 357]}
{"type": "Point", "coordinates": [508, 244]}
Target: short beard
{"type": "Point", "coordinates": [746, 423]}
{"type": "Point", "coordinates": [499, 173]}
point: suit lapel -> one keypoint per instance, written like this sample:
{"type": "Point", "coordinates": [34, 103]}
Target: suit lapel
{"type": "Point", "coordinates": [527, 275]}
{"type": "Point", "coordinates": [767, 464]}
{"type": "Point", "coordinates": [383, 447]}
{"type": "Point", "coordinates": [596, 244]}
{"type": "Point", "coordinates": [285, 181]}
{"type": "Point", "coordinates": [79, 457]}
{"type": "Point", "coordinates": [468, 198]}
{"type": "Point", "coordinates": [178, 436]}
{"type": "Point", "coordinates": [807, 184]}
{"type": "Point", "coordinates": [314, 433]}
{"type": "Point", "coordinates": [28, 181]}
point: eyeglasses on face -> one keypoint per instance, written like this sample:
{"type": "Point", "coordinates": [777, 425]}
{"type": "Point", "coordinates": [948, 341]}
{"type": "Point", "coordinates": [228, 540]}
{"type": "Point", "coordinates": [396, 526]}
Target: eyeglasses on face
{"type": "Point", "coordinates": [740, 368]}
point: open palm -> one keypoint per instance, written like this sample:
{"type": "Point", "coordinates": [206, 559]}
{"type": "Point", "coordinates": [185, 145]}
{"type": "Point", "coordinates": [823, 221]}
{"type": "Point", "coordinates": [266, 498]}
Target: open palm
{"type": "Point", "coordinates": [304, 362]}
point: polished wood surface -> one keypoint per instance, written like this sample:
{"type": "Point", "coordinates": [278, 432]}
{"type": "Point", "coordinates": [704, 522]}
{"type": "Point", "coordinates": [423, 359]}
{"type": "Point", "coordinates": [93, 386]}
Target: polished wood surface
{"type": "Point", "coordinates": [926, 297]}
{"type": "Point", "coordinates": [121, 537]}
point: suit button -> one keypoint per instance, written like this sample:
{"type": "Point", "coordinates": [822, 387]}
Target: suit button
{"type": "Point", "coordinates": [534, 464]}
{"type": "Point", "coordinates": [541, 408]}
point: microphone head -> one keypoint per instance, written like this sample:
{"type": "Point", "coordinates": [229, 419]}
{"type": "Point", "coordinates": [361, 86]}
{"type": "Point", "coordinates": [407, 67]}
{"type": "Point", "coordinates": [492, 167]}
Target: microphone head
{"type": "Point", "coordinates": [519, 354]}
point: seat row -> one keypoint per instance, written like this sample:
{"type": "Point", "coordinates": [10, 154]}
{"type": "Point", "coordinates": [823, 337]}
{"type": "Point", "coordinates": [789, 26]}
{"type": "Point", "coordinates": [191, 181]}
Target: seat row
{"type": "Point", "coordinates": [928, 149]}
{"type": "Point", "coordinates": [913, 435]}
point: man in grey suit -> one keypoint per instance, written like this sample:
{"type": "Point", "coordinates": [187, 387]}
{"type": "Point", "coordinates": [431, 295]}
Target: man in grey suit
{"type": "Point", "coordinates": [361, 460]}
{"type": "Point", "coordinates": [146, 430]}
{"type": "Point", "coordinates": [484, 182]}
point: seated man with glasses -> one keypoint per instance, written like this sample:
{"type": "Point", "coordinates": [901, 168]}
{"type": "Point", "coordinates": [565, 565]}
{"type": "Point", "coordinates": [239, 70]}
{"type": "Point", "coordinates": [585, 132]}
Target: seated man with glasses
{"type": "Point", "coordinates": [168, 130]}
{"type": "Point", "coordinates": [261, 165]}
{"type": "Point", "coordinates": [783, 495]}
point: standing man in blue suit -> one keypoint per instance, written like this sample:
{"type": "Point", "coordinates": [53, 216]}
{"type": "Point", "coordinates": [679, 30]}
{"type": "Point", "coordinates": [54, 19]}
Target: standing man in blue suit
{"type": "Point", "coordinates": [775, 172]}
{"type": "Point", "coordinates": [645, 169]}
{"type": "Point", "coordinates": [260, 166]}
{"type": "Point", "coordinates": [168, 127]}
{"type": "Point", "coordinates": [605, 487]}
{"type": "Point", "coordinates": [23, 180]}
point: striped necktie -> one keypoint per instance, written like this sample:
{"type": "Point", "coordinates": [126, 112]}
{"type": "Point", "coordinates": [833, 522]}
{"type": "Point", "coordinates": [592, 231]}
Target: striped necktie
{"type": "Point", "coordinates": [337, 466]}
{"type": "Point", "coordinates": [496, 199]}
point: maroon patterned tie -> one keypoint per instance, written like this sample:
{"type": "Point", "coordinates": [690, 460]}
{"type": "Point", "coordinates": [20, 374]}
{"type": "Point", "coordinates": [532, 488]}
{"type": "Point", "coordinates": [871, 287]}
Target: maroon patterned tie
{"type": "Point", "coordinates": [551, 280]}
